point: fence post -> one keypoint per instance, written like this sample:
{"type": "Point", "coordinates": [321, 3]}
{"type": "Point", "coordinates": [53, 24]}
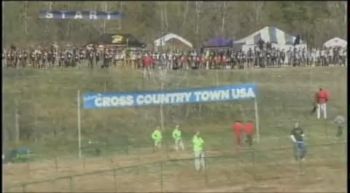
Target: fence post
{"type": "Point", "coordinates": [24, 188]}
{"type": "Point", "coordinates": [28, 167]}
{"type": "Point", "coordinates": [115, 180]}
{"type": "Point", "coordinates": [56, 163]}
{"type": "Point", "coordinates": [71, 185]}
{"type": "Point", "coordinates": [127, 145]}
{"type": "Point", "coordinates": [84, 163]}
{"type": "Point", "coordinates": [161, 176]}
{"type": "Point", "coordinates": [253, 157]}
{"type": "Point", "coordinates": [206, 180]}
{"type": "Point", "coordinates": [253, 162]}
{"type": "Point", "coordinates": [53, 185]}
{"type": "Point", "coordinates": [137, 166]}
{"type": "Point", "coordinates": [301, 171]}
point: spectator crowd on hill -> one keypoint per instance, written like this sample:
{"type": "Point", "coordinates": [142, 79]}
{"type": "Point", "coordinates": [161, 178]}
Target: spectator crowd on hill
{"type": "Point", "coordinates": [194, 59]}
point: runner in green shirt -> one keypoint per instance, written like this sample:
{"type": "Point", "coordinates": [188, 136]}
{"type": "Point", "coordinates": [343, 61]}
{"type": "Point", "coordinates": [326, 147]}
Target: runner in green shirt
{"type": "Point", "coordinates": [157, 138]}
{"type": "Point", "coordinates": [178, 138]}
{"type": "Point", "coordinates": [198, 148]}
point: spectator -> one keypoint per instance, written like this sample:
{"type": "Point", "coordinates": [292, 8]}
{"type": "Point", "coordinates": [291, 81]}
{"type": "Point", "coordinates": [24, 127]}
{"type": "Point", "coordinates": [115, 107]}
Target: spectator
{"type": "Point", "coordinates": [249, 132]}
{"type": "Point", "coordinates": [297, 136]}
{"type": "Point", "coordinates": [321, 99]}
{"type": "Point", "coordinates": [238, 128]}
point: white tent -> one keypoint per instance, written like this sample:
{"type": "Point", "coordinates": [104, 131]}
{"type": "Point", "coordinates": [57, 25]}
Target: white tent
{"type": "Point", "coordinates": [277, 37]}
{"type": "Point", "coordinates": [163, 40]}
{"type": "Point", "coordinates": [335, 42]}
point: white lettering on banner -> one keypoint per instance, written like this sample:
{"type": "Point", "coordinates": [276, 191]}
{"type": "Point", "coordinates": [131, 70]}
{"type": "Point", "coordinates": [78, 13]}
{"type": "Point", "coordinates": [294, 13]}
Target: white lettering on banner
{"type": "Point", "coordinates": [49, 15]}
{"type": "Point", "coordinates": [63, 14]}
{"type": "Point", "coordinates": [212, 95]}
{"type": "Point", "coordinates": [180, 98]}
{"type": "Point", "coordinates": [114, 101]}
{"type": "Point", "coordinates": [98, 102]}
{"type": "Point", "coordinates": [78, 15]}
{"type": "Point", "coordinates": [169, 98]}
{"type": "Point", "coordinates": [93, 15]}
{"type": "Point", "coordinates": [197, 95]}
{"type": "Point", "coordinates": [243, 93]}
{"type": "Point", "coordinates": [187, 96]}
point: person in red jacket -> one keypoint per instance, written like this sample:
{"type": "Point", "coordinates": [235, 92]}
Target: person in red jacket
{"type": "Point", "coordinates": [321, 99]}
{"type": "Point", "coordinates": [249, 131]}
{"type": "Point", "coordinates": [238, 131]}
{"type": "Point", "coordinates": [147, 65]}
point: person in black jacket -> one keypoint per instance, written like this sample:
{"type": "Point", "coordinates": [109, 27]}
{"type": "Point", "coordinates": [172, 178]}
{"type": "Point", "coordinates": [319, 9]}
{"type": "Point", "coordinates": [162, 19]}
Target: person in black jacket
{"type": "Point", "coordinates": [297, 136]}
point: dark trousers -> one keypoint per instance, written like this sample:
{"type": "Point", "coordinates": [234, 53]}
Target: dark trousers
{"type": "Point", "coordinates": [339, 131]}
{"type": "Point", "coordinates": [249, 140]}
{"type": "Point", "coordinates": [299, 150]}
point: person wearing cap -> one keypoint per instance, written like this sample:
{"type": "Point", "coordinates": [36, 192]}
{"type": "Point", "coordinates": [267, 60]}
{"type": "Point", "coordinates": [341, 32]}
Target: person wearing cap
{"type": "Point", "coordinates": [321, 99]}
{"type": "Point", "coordinates": [297, 136]}
{"type": "Point", "coordinates": [198, 148]}
{"type": "Point", "coordinates": [157, 138]}
{"type": "Point", "coordinates": [178, 138]}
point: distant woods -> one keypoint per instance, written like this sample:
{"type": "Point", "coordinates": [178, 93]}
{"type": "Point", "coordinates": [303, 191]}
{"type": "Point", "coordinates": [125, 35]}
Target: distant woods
{"type": "Point", "coordinates": [316, 21]}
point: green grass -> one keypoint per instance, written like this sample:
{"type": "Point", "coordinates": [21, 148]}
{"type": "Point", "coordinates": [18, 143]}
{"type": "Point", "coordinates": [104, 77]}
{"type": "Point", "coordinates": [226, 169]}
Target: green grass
{"type": "Point", "coordinates": [46, 100]}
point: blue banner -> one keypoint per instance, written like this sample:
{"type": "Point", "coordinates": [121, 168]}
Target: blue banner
{"type": "Point", "coordinates": [90, 15]}
{"type": "Point", "coordinates": [94, 100]}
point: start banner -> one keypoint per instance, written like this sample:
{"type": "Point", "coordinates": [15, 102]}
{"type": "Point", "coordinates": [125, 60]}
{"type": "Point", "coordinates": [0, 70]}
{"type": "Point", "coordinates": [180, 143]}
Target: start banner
{"type": "Point", "coordinates": [89, 15]}
{"type": "Point", "coordinates": [93, 100]}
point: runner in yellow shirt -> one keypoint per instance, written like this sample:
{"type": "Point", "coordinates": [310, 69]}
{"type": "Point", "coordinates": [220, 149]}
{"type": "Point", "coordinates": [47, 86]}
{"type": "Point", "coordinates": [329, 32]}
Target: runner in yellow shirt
{"type": "Point", "coordinates": [198, 148]}
{"type": "Point", "coordinates": [157, 138]}
{"type": "Point", "coordinates": [178, 138]}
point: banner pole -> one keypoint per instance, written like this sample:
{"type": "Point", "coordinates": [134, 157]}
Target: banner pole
{"type": "Point", "coordinates": [79, 124]}
{"type": "Point", "coordinates": [257, 120]}
{"type": "Point", "coordinates": [161, 112]}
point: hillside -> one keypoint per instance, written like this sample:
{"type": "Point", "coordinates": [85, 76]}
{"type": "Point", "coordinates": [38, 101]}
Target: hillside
{"type": "Point", "coordinates": [47, 108]}
{"type": "Point", "coordinates": [46, 103]}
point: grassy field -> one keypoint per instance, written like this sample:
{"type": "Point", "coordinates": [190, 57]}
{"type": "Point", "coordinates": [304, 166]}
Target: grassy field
{"type": "Point", "coordinates": [46, 102]}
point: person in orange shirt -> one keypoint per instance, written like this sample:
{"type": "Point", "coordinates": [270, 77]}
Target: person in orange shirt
{"type": "Point", "coordinates": [249, 131]}
{"type": "Point", "coordinates": [321, 99]}
{"type": "Point", "coordinates": [238, 131]}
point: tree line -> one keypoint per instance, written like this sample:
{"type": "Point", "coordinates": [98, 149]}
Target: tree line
{"type": "Point", "coordinates": [197, 21]}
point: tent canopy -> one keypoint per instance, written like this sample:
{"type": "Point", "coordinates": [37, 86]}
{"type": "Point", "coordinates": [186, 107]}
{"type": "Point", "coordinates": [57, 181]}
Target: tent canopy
{"type": "Point", "coordinates": [119, 40]}
{"type": "Point", "coordinates": [269, 34]}
{"type": "Point", "coordinates": [162, 41]}
{"type": "Point", "coordinates": [335, 42]}
{"type": "Point", "coordinates": [219, 42]}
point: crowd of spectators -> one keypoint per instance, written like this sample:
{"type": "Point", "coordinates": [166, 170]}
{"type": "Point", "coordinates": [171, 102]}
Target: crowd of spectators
{"type": "Point", "coordinates": [53, 57]}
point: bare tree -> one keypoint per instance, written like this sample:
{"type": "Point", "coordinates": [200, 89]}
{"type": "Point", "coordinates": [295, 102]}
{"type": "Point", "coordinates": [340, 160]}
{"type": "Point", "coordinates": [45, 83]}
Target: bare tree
{"type": "Point", "coordinates": [345, 12]}
{"type": "Point", "coordinates": [185, 15]}
{"type": "Point", "coordinates": [258, 9]}
{"type": "Point", "coordinates": [26, 17]}
{"type": "Point", "coordinates": [161, 19]}
{"type": "Point", "coordinates": [165, 16]}
{"type": "Point", "coordinates": [223, 18]}
{"type": "Point", "coordinates": [104, 21]}
{"type": "Point", "coordinates": [198, 7]}
{"type": "Point", "coordinates": [49, 6]}
{"type": "Point", "coordinates": [121, 11]}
